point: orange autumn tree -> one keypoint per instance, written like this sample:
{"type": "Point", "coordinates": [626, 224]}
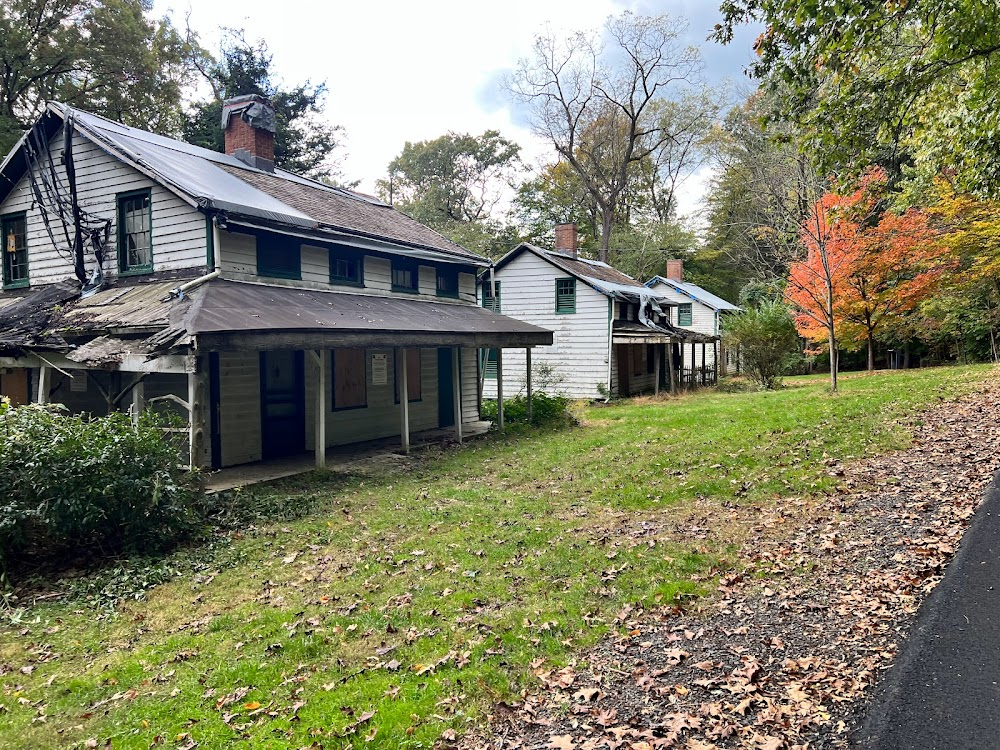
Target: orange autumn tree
{"type": "Point", "coordinates": [861, 268]}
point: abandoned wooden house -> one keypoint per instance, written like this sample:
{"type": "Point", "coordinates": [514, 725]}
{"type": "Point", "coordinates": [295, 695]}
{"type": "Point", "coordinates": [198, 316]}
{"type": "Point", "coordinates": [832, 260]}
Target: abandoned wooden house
{"type": "Point", "coordinates": [610, 332]}
{"type": "Point", "coordinates": [696, 310]}
{"type": "Point", "coordinates": [278, 314]}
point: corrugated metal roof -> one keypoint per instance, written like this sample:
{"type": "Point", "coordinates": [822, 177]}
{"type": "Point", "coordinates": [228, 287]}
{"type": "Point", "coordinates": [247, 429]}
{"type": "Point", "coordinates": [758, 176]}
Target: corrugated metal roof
{"type": "Point", "coordinates": [694, 291]}
{"type": "Point", "coordinates": [136, 306]}
{"type": "Point", "coordinates": [233, 307]}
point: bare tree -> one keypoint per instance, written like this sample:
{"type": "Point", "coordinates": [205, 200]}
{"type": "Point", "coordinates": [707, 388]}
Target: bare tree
{"type": "Point", "coordinates": [596, 99]}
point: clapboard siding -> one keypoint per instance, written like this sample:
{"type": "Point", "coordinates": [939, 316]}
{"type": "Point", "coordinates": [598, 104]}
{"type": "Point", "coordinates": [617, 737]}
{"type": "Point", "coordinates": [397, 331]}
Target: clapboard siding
{"type": "Point", "coordinates": [469, 366]}
{"type": "Point", "coordinates": [579, 351]}
{"type": "Point", "coordinates": [178, 228]}
{"type": "Point", "coordinates": [315, 264]}
{"type": "Point", "coordinates": [239, 407]}
{"type": "Point", "coordinates": [467, 287]}
{"type": "Point", "coordinates": [237, 254]}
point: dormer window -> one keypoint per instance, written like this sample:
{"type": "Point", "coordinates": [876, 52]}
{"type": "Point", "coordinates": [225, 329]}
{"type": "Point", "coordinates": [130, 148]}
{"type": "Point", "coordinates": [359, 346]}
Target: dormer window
{"type": "Point", "coordinates": [135, 232]}
{"type": "Point", "coordinates": [15, 251]}
{"type": "Point", "coordinates": [447, 282]}
{"type": "Point", "coordinates": [346, 267]}
{"type": "Point", "coordinates": [405, 276]}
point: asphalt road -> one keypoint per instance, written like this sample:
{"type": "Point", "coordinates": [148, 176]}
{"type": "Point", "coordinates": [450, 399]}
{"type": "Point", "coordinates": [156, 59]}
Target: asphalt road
{"type": "Point", "coordinates": [944, 690]}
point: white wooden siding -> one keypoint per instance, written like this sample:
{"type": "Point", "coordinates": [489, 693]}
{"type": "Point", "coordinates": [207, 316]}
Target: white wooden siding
{"type": "Point", "coordinates": [315, 265]}
{"type": "Point", "coordinates": [178, 229]}
{"type": "Point", "coordinates": [467, 287]}
{"type": "Point", "coordinates": [469, 366]}
{"type": "Point", "coordinates": [237, 254]}
{"type": "Point", "coordinates": [579, 352]}
{"type": "Point", "coordinates": [703, 320]}
{"type": "Point", "coordinates": [239, 407]}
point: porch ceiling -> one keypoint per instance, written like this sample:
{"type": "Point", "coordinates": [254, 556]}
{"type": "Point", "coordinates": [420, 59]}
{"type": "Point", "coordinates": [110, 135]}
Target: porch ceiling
{"type": "Point", "coordinates": [229, 315]}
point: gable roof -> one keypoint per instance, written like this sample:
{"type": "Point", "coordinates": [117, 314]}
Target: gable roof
{"type": "Point", "coordinates": [602, 277]}
{"type": "Point", "coordinates": [695, 292]}
{"type": "Point", "coordinates": [215, 182]}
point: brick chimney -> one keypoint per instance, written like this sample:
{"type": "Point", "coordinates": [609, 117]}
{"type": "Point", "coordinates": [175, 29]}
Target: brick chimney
{"type": "Point", "coordinates": [566, 239]}
{"type": "Point", "coordinates": [675, 269]}
{"type": "Point", "coordinates": [249, 125]}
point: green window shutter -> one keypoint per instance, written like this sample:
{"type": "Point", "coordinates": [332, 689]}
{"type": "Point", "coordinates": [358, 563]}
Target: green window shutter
{"type": "Point", "coordinates": [488, 296]}
{"type": "Point", "coordinates": [489, 363]}
{"type": "Point", "coordinates": [684, 314]}
{"type": "Point", "coordinates": [565, 296]}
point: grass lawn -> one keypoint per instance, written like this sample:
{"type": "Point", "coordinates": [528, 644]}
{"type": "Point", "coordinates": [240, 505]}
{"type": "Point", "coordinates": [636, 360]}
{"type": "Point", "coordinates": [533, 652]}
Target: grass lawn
{"type": "Point", "coordinates": [395, 610]}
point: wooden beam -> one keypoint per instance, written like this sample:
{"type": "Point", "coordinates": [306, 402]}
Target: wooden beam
{"type": "Point", "coordinates": [138, 400]}
{"type": "Point", "coordinates": [527, 382]}
{"type": "Point", "coordinates": [456, 378]}
{"type": "Point", "coordinates": [704, 363]}
{"type": "Point", "coordinates": [404, 400]}
{"type": "Point", "coordinates": [320, 359]}
{"type": "Point", "coordinates": [44, 383]}
{"type": "Point", "coordinates": [673, 370]}
{"type": "Point", "coordinates": [168, 363]}
{"type": "Point", "coordinates": [500, 389]}
{"type": "Point", "coordinates": [197, 412]}
{"type": "Point", "coordinates": [656, 370]}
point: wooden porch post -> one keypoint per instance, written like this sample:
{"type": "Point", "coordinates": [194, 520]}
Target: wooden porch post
{"type": "Point", "coordinates": [527, 381]}
{"type": "Point", "coordinates": [404, 400]}
{"type": "Point", "coordinates": [500, 389]}
{"type": "Point", "coordinates": [138, 400]}
{"type": "Point", "coordinates": [44, 383]}
{"type": "Point", "coordinates": [656, 370]}
{"type": "Point", "coordinates": [320, 438]}
{"type": "Point", "coordinates": [456, 378]}
{"type": "Point", "coordinates": [704, 362]}
{"type": "Point", "coordinates": [197, 394]}
{"type": "Point", "coordinates": [716, 354]}
{"type": "Point", "coordinates": [670, 364]}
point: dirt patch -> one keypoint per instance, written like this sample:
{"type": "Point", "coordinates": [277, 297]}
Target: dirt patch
{"type": "Point", "coordinates": [788, 652]}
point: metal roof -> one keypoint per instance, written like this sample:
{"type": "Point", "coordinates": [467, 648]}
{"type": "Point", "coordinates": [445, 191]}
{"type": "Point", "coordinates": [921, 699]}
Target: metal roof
{"type": "Point", "coordinates": [215, 181]}
{"type": "Point", "coordinates": [695, 292]}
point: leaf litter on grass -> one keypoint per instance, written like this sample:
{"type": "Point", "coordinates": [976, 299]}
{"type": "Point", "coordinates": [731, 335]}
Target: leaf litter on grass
{"type": "Point", "coordinates": [787, 652]}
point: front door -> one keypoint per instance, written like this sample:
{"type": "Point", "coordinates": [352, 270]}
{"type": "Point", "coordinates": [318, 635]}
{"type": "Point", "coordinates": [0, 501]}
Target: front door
{"type": "Point", "coordinates": [446, 390]}
{"type": "Point", "coordinates": [282, 404]}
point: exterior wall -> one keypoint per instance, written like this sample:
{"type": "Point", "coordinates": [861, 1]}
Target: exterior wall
{"type": "Point", "coordinates": [237, 256]}
{"type": "Point", "coordinates": [644, 382]}
{"type": "Point", "coordinates": [579, 351]}
{"type": "Point", "coordinates": [704, 319]}
{"type": "Point", "coordinates": [239, 407]}
{"type": "Point", "coordinates": [178, 230]}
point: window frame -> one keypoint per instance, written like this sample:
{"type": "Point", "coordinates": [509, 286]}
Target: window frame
{"type": "Point", "coordinates": [269, 243]}
{"type": "Point", "coordinates": [564, 310]}
{"type": "Point", "coordinates": [404, 264]}
{"type": "Point", "coordinates": [488, 301]}
{"type": "Point", "coordinates": [5, 221]}
{"type": "Point", "coordinates": [333, 380]}
{"type": "Point", "coordinates": [444, 272]}
{"type": "Point", "coordinates": [688, 308]}
{"type": "Point", "coordinates": [124, 268]}
{"type": "Point", "coordinates": [338, 253]}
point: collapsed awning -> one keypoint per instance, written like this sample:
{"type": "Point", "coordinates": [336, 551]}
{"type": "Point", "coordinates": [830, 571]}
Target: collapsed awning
{"type": "Point", "coordinates": [237, 316]}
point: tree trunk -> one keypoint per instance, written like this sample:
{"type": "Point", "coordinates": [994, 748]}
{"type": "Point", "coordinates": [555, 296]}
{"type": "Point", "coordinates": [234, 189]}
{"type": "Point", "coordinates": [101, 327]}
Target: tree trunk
{"type": "Point", "coordinates": [871, 352]}
{"type": "Point", "coordinates": [607, 218]}
{"type": "Point", "coordinates": [832, 334]}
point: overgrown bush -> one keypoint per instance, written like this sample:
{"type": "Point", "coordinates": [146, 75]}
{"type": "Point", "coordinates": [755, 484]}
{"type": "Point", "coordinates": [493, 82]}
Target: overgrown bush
{"type": "Point", "coordinates": [73, 484]}
{"type": "Point", "coordinates": [546, 409]}
{"type": "Point", "coordinates": [765, 337]}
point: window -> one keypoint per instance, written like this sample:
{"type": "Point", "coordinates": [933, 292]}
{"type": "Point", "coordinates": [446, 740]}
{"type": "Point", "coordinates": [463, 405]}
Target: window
{"type": "Point", "coordinates": [684, 314]}
{"type": "Point", "coordinates": [279, 257]}
{"type": "Point", "coordinates": [488, 296]}
{"type": "Point", "coordinates": [15, 251]}
{"type": "Point", "coordinates": [414, 387]}
{"type": "Point", "coordinates": [405, 276]}
{"type": "Point", "coordinates": [490, 364]}
{"type": "Point", "coordinates": [565, 296]}
{"type": "Point", "coordinates": [347, 266]}
{"type": "Point", "coordinates": [447, 282]}
{"type": "Point", "coordinates": [350, 380]}
{"type": "Point", "coordinates": [135, 232]}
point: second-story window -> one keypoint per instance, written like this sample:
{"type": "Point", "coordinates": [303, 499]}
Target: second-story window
{"type": "Point", "coordinates": [684, 314]}
{"type": "Point", "coordinates": [279, 257]}
{"type": "Point", "coordinates": [405, 276]}
{"type": "Point", "coordinates": [488, 301]}
{"type": "Point", "coordinates": [15, 251]}
{"type": "Point", "coordinates": [347, 266]}
{"type": "Point", "coordinates": [135, 232]}
{"type": "Point", "coordinates": [447, 282]}
{"type": "Point", "coordinates": [565, 296]}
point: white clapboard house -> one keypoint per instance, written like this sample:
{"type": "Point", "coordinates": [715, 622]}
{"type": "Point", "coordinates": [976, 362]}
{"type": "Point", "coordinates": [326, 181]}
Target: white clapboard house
{"type": "Point", "coordinates": [278, 314]}
{"type": "Point", "coordinates": [612, 335]}
{"type": "Point", "coordinates": [696, 310]}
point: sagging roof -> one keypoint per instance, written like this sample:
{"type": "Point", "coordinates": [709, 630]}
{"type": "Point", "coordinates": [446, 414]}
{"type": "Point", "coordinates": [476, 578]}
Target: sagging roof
{"type": "Point", "coordinates": [695, 292]}
{"type": "Point", "coordinates": [223, 310]}
{"type": "Point", "coordinates": [213, 181]}
{"type": "Point", "coordinates": [604, 278]}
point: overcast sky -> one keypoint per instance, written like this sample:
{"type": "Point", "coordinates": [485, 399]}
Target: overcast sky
{"type": "Point", "coordinates": [402, 71]}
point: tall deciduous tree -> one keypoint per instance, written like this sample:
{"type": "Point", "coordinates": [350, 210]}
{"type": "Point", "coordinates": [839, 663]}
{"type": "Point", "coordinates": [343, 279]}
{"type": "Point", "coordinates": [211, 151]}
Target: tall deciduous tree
{"type": "Point", "coordinates": [598, 102]}
{"type": "Point", "coordinates": [106, 56]}
{"type": "Point", "coordinates": [304, 143]}
{"type": "Point", "coordinates": [897, 84]}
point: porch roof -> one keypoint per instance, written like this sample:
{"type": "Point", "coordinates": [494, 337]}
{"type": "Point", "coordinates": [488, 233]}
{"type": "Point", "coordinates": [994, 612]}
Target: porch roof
{"type": "Point", "coordinates": [232, 315]}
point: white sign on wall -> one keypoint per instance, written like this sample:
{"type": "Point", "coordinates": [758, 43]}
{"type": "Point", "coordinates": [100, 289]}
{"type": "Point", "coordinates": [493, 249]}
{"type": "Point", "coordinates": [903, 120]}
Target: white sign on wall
{"type": "Point", "coordinates": [380, 369]}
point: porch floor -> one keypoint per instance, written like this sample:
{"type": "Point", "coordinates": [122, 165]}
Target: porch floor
{"type": "Point", "coordinates": [339, 458]}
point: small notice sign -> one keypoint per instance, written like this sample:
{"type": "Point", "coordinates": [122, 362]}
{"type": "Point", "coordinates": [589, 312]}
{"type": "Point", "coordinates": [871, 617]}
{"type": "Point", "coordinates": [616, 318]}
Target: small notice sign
{"type": "Point", "coordinates": [380, 369]}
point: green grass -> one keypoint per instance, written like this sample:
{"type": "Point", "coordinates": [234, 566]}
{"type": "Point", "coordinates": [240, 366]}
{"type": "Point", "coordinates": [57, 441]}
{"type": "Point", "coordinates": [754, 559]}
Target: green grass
{"type": "Point", "coordinates": [428, 595]}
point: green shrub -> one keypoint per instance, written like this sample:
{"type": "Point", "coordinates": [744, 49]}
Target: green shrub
{"type": "Point", "coordinates": [104, 485]}
{"type": "Point", "coordinates": [766, 339]}
{"type": "Point", "coordinates": [546, 409]}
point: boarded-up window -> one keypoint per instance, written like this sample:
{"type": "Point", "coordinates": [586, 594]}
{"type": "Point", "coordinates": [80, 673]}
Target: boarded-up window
{"type": "Point", "coordinates": [349, 379]}
{"type": "Point", "coordinates": [414, 387]}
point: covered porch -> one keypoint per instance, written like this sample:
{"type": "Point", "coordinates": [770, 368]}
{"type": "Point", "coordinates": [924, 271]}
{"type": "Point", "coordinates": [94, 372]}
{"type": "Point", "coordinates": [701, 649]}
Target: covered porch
{"type": "Point", "coordinates": [650, 359]}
